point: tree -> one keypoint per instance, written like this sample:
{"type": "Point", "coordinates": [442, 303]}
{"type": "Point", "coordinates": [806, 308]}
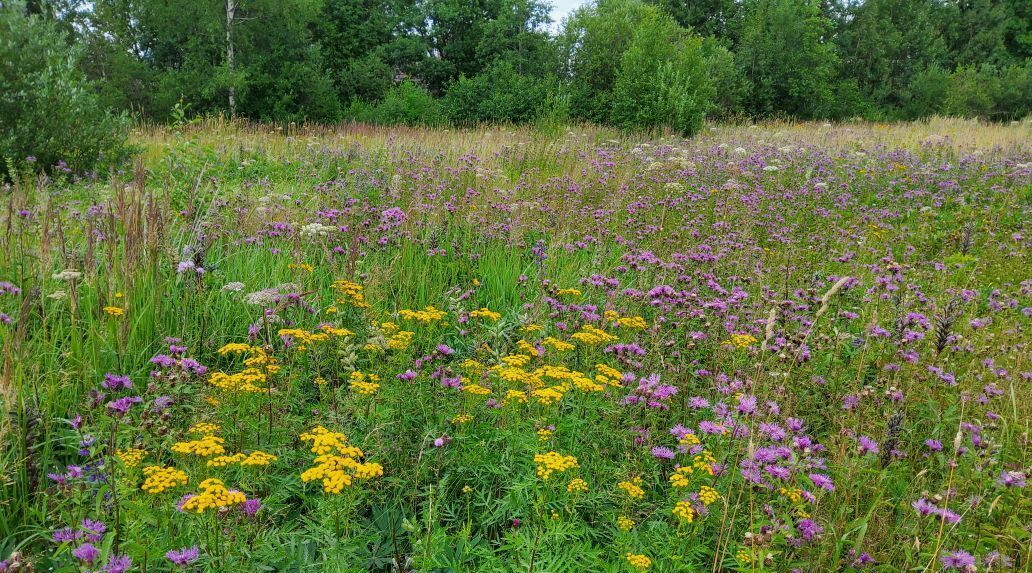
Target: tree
{"type": "Point", "coordinates": [787, 59]}
{"type": "Point", "coordinates": [48, 109]}
{"type": "Point", "coordinates": [887, 43]}
{"type": "Point", "coordinates": [704, 17]}
{"type": "Point", "coordinates": [662, 79]}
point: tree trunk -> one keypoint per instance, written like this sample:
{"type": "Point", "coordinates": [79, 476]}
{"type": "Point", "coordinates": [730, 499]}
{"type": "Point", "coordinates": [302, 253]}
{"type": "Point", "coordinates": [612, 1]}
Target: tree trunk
{"type": "Point", "coordinates": [230, 55]}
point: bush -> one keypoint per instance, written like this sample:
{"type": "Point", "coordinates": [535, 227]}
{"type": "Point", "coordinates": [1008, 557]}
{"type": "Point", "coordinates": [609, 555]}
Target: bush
{"type": "Point", "coordinates": [48, 110]}
{"type": "Point", "coordinates": [1013, 96]}
{"type": "Point", "coordinates": [926, 94]}
{"type": "Point", "coordinates": [662, 79]}
{"type": "Point", "coordinates": [404, 104]}
{"type": "Point", "coordinates": [971, 92]}
{"type": "Point", "coordinates": [729, 86]}
{"type": "Point", "coordinates": [498, 94]}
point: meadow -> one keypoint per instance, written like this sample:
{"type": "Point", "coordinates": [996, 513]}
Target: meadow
{"type": "Point", "coordinates": [786, 347]}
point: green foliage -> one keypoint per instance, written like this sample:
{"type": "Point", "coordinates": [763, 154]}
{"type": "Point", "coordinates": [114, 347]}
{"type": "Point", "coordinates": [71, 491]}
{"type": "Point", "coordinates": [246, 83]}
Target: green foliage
{"type": "Point", "coordinates": [498, 60]}
{"type": "Point", "coordinates": [662, 79]}
{"type": "Point", "coordinates": [785, 56]}
{"type": "Point", "coordinates": [48, 110]}
{"type": "Point", "coordinates": [498, 94]}
{"type": "Point", "coordinates": [405, 103]}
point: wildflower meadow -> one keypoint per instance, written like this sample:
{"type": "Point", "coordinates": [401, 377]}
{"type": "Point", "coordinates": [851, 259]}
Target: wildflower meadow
{"type": "Point", "coordinates": [793, 347]}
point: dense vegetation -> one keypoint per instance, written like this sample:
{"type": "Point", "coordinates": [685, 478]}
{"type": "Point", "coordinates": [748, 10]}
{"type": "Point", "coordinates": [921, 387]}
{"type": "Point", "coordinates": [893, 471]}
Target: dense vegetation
{"type": "Point", "coordinates": [500, 60]}
{"type": "Point", "coordinates": [778, 349]}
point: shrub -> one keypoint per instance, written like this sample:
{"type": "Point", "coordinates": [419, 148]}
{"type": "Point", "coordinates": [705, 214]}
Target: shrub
{"type": "Point", "coordinates": [48, 110]}
{"type": "Point", "coordinates": [498, 94]}
{"type": "Point", "coordinates": [662, 79]}
{"type": "Point", "coordinates": [405, 103]}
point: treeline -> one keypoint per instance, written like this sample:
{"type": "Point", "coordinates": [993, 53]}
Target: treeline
{"type": "Point", "coordinates": [629, 63]}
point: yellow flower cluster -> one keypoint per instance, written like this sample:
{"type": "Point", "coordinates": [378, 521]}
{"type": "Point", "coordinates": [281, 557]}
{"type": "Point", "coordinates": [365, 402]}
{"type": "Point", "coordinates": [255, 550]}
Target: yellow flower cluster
{"type": "Point", "coordinates": [689, 439]}
{"type": "Point", "coordinates": [476, 390]}
{"type": "Point", "coordinates": [319, 381]}
{"type": "Point", "coordinates": [577, 485]}
{"type": "Point", "coordinates": [305, 267]}
{"type": "Point", "coordinates": [568, 292]}
{"type": "Point", "coordinates": [235, 348]}
{"type": "Point", "coordinates": [578, 379]}
{"type": "Point", "coordinates": [325, 441]}
{"type": "Point", "coordinates": [400, 341]}
{"type": "Point", "coordinates": [336, 470]}
{"type": "Point", "coordinates": [639, 562]}
{"type": "Point", "coordinates": [592, 336]}
{"type": "Point", "coordinates": [527, 348]}
{"type": "Point", "coordinates": [684, 510]}
{"type": "Point", "coordinates": [532, 328]}
{"type": "Point", "coordinates": [515, 396]}
{"type": "Point", "coordinates": [462, 419]}
{"type": "Point", "coordinates": [366, 384]}
{"type": "Point", "coordinates": [708, 495]}
{"type": "Point", "coordinates": [680, 477]}
{"type": "Point", "coordinates": [302, 337]}
{"type": "Point", "coordinates": [633, 488]}
{"type": "Point", "coordinates": [704, 461]}
{"type": "Point", "coordinates": [131, 457]}
{"type": "Point", "coordinates": [255, 458]}
{"type": "Point", "coordinates": [625, 523]}
{"type": "Point", "coordinates": [204, 429]}
{"type": "Point", "coordinates": [544, 434]}
{"type": "Point", "coordinates": [336, 332]}
{"type": "Point", "coordinates": [247, 380]}
{"type": "Point", "coordinates": [740, 340]}
{"type": "Point", "coordinates": [160, 478]}
{"type": "Point", "coordinates": [204, 447]}
{"type": "Point", "coordinates": [608, 371]}
{"type": "Point", "coordinates": [632, 322]}
{"type": "Point", "coordinates": [558, 345]}
{"type": "Point", "coordinates": [550, 395]}
{"type": "Point", "coordinates": [553, 462]}
{"type": "Point", "coordinates": [350, 293]}
{"type": "Point", "coordinates": [517, 360]}
{"type": "Point", "coordinates": [115, 311]}
{"type": "Point", "coordinates": [795, 495]}
{"type": "Point", "coordinates": [426, 316]}
{"type": "Point", "coordinates": [485, 313]}
{"type": "Point", "coordinates": [213, 495]}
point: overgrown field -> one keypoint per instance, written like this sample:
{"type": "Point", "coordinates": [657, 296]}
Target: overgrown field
{"type": "Point", "coordinates": [781, 348]}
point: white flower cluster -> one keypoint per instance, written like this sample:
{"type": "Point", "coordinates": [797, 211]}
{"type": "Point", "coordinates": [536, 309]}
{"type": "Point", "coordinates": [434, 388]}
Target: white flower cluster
{"type": "Point", "coordinates": [313, 230]}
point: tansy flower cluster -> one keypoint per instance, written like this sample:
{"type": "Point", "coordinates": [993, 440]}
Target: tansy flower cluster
{"type": "Point", "coordinates": [350, 293]}
{"type": "Point", "coordinates": [160, 478]}
{"type": "Point", "coordinates": [204, 447]}
{"type": "Point", "coordinates": [485, 314]}
{"type": "Point", "coordinates": [213, 495]}
{"type": "Point", "coordinates": [131, 457]}
{"type": "Point", "coordinates": [577, 485]}
{"type": "Point", "coordinates": [255, 458]}
{"type": "Point", "coordinates": [366, 384]}
{"type": "Point", "coordinates": [427, 316]}
{"type": "Point", "coordinates": [632, 488]}
{"type": "Point", "coordinates": [638, 561]}
{"type": "Point", "coordinates": [337, 464]}
{"type": "Point", "coordinates": [592, 336]}
{"type": "Point", "coordinates": [741, 340]}
{"type": "Point", "coordinates": [553, 462]}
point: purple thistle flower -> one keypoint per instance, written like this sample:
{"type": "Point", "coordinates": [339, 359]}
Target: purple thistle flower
{"type": "Point", "coordinates": [118, 564]}
{"type": "Point", "coordinates": [958, 560]}
{"type": "Point", "coordinates": [184, 557]}
{"type": "Point", "coordinates": [86, 553]}
{"type": "Point", "coordinates": [662, 453]}
{"type": "Point", "coordinates": [868, 446]}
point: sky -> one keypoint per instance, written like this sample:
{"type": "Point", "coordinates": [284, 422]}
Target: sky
{"type": "Point", "coordinates": [561, 8]}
